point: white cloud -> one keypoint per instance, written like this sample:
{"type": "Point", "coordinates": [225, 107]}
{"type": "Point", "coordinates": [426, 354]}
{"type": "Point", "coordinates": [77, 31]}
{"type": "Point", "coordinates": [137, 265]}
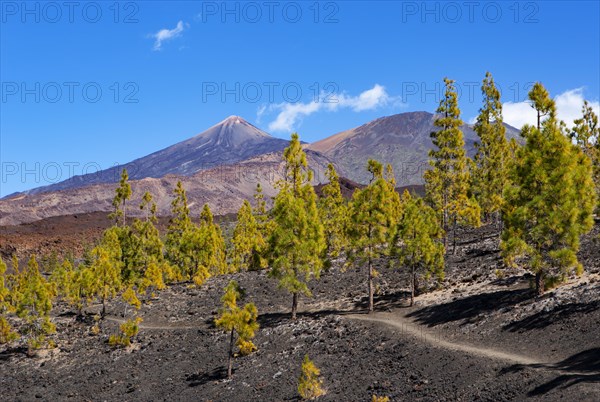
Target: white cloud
{"type": "Point", "coordinates": [569, 104]}
{"type": "Point", "coordinates": [518, 114]}
{"type": "Point", "coordinates": [167, 34]}
{"type": "Point", "coordinates": [291, 113]}
{"type": "Point", "coordinates": [568, 107]}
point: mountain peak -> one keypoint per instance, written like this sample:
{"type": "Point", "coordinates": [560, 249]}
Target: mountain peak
{"type": "Point", "coordinates": [233, 119]}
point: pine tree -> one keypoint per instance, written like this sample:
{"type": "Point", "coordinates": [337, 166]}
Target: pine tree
{"type": "Point", "coordinates": [213, 252]}
{"type": "Point", "coordinates": [122, 194]}
{"type": "Point", "coordinates": [550, 203]}
{"type": "Point", "coordinates": [310, 383]}
{"type": "Point", "coordinates": [447, 183]}
{"type": "Point", "coordinates": [235, 320]}
{"type": "Point", "coordinates": [259, 260]}
{"type": "Point", "coordinates": [296, 241]}
{"type": "Point", "coordinates": [416, 242]}
{"type": "Point", "coordinates": [106, 268]}
{"type": "Point", "coordinates": [6, 333]}
{"type": "Point", "coordinates": [149, 247]}
{"type": "Point", "coordinates": [333, 211]}
{"type": "Point", "coordinates": [372, 217]}
{"type": "Point", "coordinates": [179, 224]}
{"type": "Point", "coordinates": [586, 134]}
{"type": "Point", "coordinates": [491, 172]}
{"type": "Point", "coordinates": [74, 284]}
{"type": "Point", "coordinates": [247, 238]}
{"type": "Point", "coordinates": [35, 304]}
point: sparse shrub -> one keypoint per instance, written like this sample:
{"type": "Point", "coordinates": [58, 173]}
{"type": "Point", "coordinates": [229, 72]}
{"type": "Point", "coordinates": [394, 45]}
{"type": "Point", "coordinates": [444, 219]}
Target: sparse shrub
{"type": "Point", "coordinates": [119, 340]}
{"type": "Point", "coordinates": [6, 333]}
{"type": "Point", "coordinates": [95, 329]}
{"type": "Point", "coordinates": [309, 383]}
{"type": "Point", "coordinates": [380, 399]}
{"type": "Point", "coordinates": [129, 329]}
{"type": "Point", "coordinates": [500, 274]}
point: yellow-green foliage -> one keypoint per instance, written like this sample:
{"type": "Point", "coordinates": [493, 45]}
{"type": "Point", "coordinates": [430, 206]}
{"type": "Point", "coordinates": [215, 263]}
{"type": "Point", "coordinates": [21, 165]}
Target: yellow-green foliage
{"type": "Point", "coordinates": [130, 297]}
{"type": "Point", "coordinates": [551, 200]}
{"type": "Point", "coordinates": [154, 276]}
{"type": "Point", "coordinates": [265, 226]}
{"type": "Point", "coordinates": [233, 319]}
{"type": "Point", "coordinates": [416, 240]}
{"type": "Point", "coordinates": [129, 329]}
{"type": "Point", "coordinates": [6, 333]}
{"type": "Point", "coordinates": [246, 347]}
{"type": "Point", "coordinates": [34, 304]}
{"type": "Point", "coordinates": [373, 216]}
{"type": "Point", "coordinates": [333, 211]}
{"type": "Point", "coordinates": [586, 133]}
{"type": "Point", "coordinates": [490, 173]}
{"type": "Point", "coordinates": [447, 183]}
{"type": "Point", "coordinates": [297, 239]}
{"type": "Point", "coordinates": [247, 238]}
{"type": "Point", "coordinates": [310, 383]}
{"type": "Point", "coordinates": [380, 399]}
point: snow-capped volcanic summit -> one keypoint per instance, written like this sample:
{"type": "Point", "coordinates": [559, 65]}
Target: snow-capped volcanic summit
{"type": "Point", "coordinates": [230, 141]}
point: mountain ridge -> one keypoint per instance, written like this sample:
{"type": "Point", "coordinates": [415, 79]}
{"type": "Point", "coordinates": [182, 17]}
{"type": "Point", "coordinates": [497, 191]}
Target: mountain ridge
{"type": "Point", "coordinates": [230, 141]}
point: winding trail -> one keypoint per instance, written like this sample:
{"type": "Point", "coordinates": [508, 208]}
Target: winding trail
{"type": "Point", "coordinates": [408, 326]}
{"type": "Point", "coordinates": [419, 331]}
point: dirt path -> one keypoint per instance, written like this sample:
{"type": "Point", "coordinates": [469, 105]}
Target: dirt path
{"type": "Point", "coordinates": [419, 331]}
{"type": "Point", "coordinates": [408, 326]}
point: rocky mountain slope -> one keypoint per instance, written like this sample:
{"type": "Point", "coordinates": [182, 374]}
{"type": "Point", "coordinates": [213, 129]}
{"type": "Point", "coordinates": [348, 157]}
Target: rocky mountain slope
{"type": "Point", "coordinates": [401, 139]}
{"type": "Point", "coordinates": [224, 188]}
{"type": "Point", "coordinates": [228, 142]}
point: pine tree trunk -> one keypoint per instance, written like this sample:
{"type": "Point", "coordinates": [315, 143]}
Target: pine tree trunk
{"type": "Point", "coordinates": [230, 362]}
{"type": "Point", "coordinates": [412, 286]}
{"type": "Point", "coordinates": [539, 283]}
{"type": "Point", "coordinates": [103, 307]}
{"type": "Point", "coordinates": [294, 304]}
{"type": "Point", "coordinates": [370, 285]}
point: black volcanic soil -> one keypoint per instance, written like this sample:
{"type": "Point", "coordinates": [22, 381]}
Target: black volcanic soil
{"type": "Point", "coordinates": [450, 346]}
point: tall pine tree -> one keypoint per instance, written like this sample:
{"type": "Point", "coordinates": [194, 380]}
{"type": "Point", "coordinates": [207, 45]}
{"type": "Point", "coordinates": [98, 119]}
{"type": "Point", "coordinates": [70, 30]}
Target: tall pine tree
{"type": "Point", "coordinates": [447, 183]}
{"type": "Point", "coordinates": [416, 242]}
{"type": "Point", "coordinates": [247, 238]}
{"type": "Point", "coordinates": [550, 202]}
{"type": "Point", "coordinates": [490, 177]}
{"type": "Point", "coordinates": [333, 211]}
{"type": "Point", "coordinates": [179, 224]}
{"type": "Point", "coordinates": [122, 194]}
{"type": "Point", "coordinates": [586, 134]}
{"type": "Point", "coordinates": [296, 241]}
{"type": "Point", "coordinates": [372, 219]}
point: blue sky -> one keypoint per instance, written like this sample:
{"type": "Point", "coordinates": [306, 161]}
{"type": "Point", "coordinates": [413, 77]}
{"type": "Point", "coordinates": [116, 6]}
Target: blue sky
{"type": "Point", "coordinates": [169, 70]}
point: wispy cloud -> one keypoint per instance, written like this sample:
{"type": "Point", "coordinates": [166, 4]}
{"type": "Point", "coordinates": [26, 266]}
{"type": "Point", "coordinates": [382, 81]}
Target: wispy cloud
{"type": "Point", "coordinates": [568, 107]}
{"type": "Point", "coordinates": [167, 34]}
{"type": "Point", "coordinates": [290, 114]}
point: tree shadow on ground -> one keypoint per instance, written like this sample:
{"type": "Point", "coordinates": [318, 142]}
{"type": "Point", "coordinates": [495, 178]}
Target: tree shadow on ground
{"type": "Point", "coordinates": [271, 320]}
{"type": "Point", "coordinates": [512, 280]}
{"type": "Point", "coordinates": [469, 308]}
{"type": "Point", "coordinates": [195, 380]}
{"type": "Point", "coordinates": [544, 318]}
{"type": "Point", "coordinates": [384, 302]}
{"type": "Point", "coordinates": [582, 367]}
{"type": "Point", "coordinates": [5, 355]}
